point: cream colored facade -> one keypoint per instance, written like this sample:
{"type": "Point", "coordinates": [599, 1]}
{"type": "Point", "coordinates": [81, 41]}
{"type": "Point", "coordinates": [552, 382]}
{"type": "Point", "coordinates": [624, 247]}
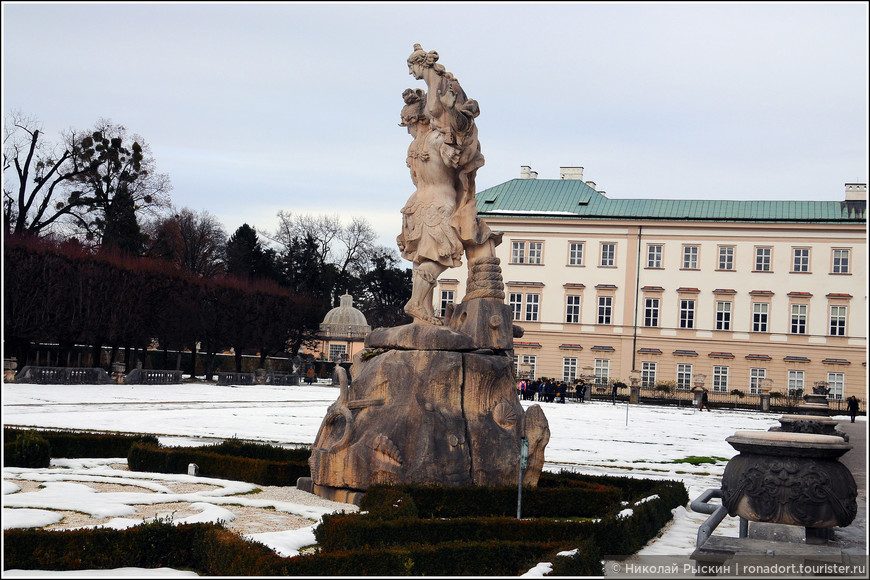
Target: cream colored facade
{"type": "Point", "coordinates": [736, 301]}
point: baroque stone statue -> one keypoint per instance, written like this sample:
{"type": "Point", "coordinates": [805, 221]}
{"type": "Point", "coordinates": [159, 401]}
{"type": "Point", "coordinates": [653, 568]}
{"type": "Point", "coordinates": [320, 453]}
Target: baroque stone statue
{"type": "Point", "coordinates": [435, 402]}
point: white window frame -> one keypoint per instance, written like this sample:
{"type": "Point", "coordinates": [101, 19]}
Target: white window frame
{"type": "Point", "coordinates": [654, 253]}
{"type": "Point", "coordinates": [572, 308]}
{"type": "Point", "coordinates": [515, 301]}
{"type": "Point", "coordinates": [800, 260]}
{"type": "Point", "coordinates": [840, 258]}
{"type": "Point", "coordinates": [837, 320]}
{"type": "Point", "coordinates": [602, 371]}
{"type": "Point", "coordinates": [687, 313]}
{"type": "Point", "coordinates": [720, 378]}
{"type": "Point", "coordinates": [723, 314]}
{"type": "Point", "coordinates": [533, 307]}
{"type": "Point", "coordinates": [569, 369]}
{"type": "Point", "coordinates": [608, 255]}
{"type": "Point", "coordinates": [726, 258]}
{"type": "Point", "coordinates": [605, 311]}
{"type": "Point", "coordinates": [796, 380]}
{"type": "Point", "coordinates": [651, 312]}
{"type": "Point", "coordinates": [756, 375]}
{"type": "Point", "coordinates": [798, 319]}
{"type": "Point", "coordinates": [760, 316]}
{"type": "Point", "coordinates": [685, 374]}
{"type": "Point", "coordinates": [536, 253]}
{"type": "Point", "coordinates": [836, 386]}
{"type": "Point", "coordinates": [690, 257]}
{"type": "Point", "coordinates": [532, 361]}
{"type": "Point", "coordinates": [518, 252]}
{"type": "Point", "coordinates": [447, 297]}
{"type": "Point", "coordinates": [337, 352]}
{"type": "Point", "coordinates": [648, 374]}
{"type": "Point", "coordinates": [575, 253]}
{"type": "Point", "coordinates": [763, 259]}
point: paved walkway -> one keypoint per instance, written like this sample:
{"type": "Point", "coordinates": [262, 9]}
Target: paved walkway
{"type": "Point", "coordinates": [853, 538]}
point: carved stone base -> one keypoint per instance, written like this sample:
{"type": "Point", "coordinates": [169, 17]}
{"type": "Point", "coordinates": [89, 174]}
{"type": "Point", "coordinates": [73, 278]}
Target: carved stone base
{"type": "Point", "coordinates": [790, 478]}
{"type": "Point", "coordinates": [427, 417]}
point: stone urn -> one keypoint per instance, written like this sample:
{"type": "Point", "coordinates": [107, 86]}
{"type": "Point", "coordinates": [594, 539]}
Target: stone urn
{"type": "Point", "coordinates": [790, 478]}
{"type": "Point", "coordinates": [809, 424]}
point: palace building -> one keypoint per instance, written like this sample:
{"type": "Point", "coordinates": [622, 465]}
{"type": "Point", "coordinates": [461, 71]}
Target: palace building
{"type": "Point", "coordinates": [742, 293]}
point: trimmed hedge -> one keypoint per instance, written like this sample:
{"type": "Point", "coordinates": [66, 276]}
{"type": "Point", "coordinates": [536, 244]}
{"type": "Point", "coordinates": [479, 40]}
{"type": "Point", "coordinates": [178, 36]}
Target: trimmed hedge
{"type": "Point", "coordinates": [555, 496]}
{"type": "Point", "coordinates": [71, 444]}
{"type": "Point", "coordinates": [26, 449]}
{"type": "Point", "coordinates": [209, 549]}
{"type": "Point", "coordinates": [216, 462]}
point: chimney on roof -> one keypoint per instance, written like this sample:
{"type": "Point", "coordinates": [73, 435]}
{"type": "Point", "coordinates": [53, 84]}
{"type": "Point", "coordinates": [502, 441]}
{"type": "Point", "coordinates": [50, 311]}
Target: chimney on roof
{"type": "Point", "coordinates": [856, 192]}
{"type": "Point", "coordinates": [571, 173]}
{"type": "Point", "coordinates": [527, 173]}
{"type": "Point", "coordinates": [591, 184]}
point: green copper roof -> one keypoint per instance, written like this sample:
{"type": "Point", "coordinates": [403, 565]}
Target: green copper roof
{"type": "Point", "coordinates": [573, 198]}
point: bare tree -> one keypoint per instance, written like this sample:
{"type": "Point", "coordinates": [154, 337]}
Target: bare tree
{"type": "Point", "coordinates": [195, 241]}
{"type": "Point", "coordinates": [32, 200]}
{"type": "Point", "coordinates": [88, 180]}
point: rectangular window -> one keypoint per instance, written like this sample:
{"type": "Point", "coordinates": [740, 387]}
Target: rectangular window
{"type": "Point", "coordinates": [446, 298]}
{"type": "Point", "coordinates": [759, 316]}
{"type": "Point", "coordinates": [762, 259]}
{"type": "Point", "coordinates": [572, 309]}
{"type": "Point", "coordinates": [337, 352]}
{"type": "Point", "coordinates": [687, 314]}
{"type": "Point", "coordinates": [720, 379]}
{"type": "Point", "coordinates": [516, 304]}
{"type": "Point", "coordinates": [801, 261]}
{"type": "Point", "coordinates": [654, 256]}
{"type": "Point", "coordinates": [602, 371]}
{"type": "Point", "coordinates": [684, 376]}
{"type": "Point", "coordinates": [836, 386]}
{"type": "Point", "coordinates": [651, 312]}
{"type": "Point", "coordinates": [726, 257]}
{"type": "Point", "coordinates": [608, 255]}
{"type": "Point", "coordinates": [690, 257]}
{"type": "Point", "coordinates": [536, 252]}
{"type": "Point", "coordinates": [755, 378]}
{"type": "Point", "coordinates": [569, 369]}
{"type": "Point", "coordinates": [798, 318]}
{"type": "Point", "coordinates": [838, 321]}
{"type": "Point", "coordinates": [533, 302]}
{"type": "Point", "coordinates": [723, 315]}
{"type": "Point", "coordinates": [605, 309]}
{"type": "Point", "coordinates": [841, 262]}
{"type": "Point", "coordinates": [575, 254]}
{"type": "Point", "coordinates": [528, 363]}
{"type": "Point", "coordinates": [518, 253]}
{"type": "Point", "coordinates": [648, 374]}
{"type": "Point", "coordinates": [795, 383]}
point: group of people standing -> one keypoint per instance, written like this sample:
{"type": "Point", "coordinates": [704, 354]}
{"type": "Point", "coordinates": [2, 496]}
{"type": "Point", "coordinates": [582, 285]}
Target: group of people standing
{"type": "Point", "coordinates": [549, 391]}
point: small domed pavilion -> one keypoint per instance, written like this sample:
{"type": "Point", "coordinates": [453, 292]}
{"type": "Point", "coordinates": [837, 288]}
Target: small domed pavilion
{"type": "Point", "coordinates": [343, 331]}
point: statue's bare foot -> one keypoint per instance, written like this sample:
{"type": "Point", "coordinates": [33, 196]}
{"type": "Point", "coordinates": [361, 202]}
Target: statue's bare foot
{"type": "Point", "coordinates": [420, 315]}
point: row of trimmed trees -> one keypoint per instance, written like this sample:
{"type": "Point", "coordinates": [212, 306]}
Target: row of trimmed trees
{"type": "Point", "coordinates": [61, 293]}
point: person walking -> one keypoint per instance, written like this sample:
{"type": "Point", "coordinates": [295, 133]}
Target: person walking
{"type": "Point", "coordinates": [852, 407]}
{"type": "Point", "coordinates": [704, 402]}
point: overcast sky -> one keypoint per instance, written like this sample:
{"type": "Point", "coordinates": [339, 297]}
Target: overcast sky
{"type": "Point", "coordinates": [255, 108]}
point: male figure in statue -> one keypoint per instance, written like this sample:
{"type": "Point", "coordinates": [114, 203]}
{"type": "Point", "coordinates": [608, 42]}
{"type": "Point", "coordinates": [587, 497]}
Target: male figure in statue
{"type": "Point", "coordinates": [439, 221]}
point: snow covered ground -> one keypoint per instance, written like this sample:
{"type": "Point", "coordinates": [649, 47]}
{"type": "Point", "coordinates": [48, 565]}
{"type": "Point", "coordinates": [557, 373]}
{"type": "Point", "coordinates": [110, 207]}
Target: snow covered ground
{"type": "Point", "coordinates": [593, 438]}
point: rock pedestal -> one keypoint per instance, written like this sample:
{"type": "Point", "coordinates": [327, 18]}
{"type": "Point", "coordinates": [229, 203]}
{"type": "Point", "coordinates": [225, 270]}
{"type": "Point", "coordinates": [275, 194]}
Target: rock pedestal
{"type": "Point", "coordinates": [430, 406]}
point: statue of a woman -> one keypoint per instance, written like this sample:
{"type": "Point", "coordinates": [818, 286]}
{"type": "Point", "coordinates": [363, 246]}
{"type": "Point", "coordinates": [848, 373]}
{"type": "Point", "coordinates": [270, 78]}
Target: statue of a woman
{"type": "Point", "coordinates": [440, 220]}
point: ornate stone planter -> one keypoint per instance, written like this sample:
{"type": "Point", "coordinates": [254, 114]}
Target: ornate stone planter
{"type": "Point", "coordinates": [809, 424]}
{"type": "Point", "coordinates": [790, 478]}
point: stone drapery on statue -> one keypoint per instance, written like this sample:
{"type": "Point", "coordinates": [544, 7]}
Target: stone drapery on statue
{"type": "Point", "coordinates": [435, 402]}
